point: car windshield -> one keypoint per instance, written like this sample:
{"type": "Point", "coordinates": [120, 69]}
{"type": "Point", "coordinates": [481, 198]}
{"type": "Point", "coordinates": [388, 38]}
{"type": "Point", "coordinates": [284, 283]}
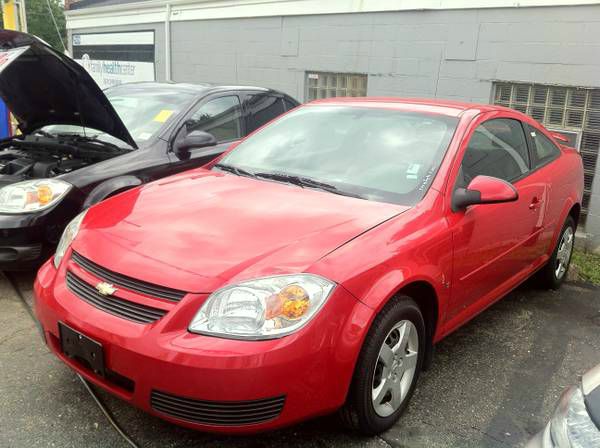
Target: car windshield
{"type": "Point", "coordinates": [143, 111]}
{"type": "Point", "coordinates": [377, 154]}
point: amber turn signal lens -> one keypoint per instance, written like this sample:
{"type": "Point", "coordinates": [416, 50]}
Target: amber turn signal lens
{"type": "Point", "coordinates": [294, 302]}
{"type": "Point", "coordinates": [291, 303]}
{"type": "Point", "coordinates": [44, 194]}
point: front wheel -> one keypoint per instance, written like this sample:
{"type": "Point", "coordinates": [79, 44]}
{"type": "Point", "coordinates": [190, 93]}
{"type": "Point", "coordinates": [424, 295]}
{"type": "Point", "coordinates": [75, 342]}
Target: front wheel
{"type": "Point", "coordinates": [555, 272]}
{"type": "Point", "coordinates": [387, 369]}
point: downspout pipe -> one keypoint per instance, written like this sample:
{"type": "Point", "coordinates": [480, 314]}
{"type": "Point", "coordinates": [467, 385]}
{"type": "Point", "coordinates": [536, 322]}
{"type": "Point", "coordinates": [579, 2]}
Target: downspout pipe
{"type": "Point", "coordinates": [168, 42]}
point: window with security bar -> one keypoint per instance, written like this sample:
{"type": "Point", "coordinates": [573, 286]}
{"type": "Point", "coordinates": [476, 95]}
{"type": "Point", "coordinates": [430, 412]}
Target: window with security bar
{"type": "Point", "coordinates": [573, 110]}
{"type": "Point", "coordinates": [329, 85]}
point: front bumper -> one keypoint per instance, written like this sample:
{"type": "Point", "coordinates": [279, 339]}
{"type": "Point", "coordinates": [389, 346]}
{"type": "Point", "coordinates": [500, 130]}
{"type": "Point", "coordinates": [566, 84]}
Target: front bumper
{"type": "Point", "coordinates": [26, 241]}
{"type": "Point", "coordinates": [162, 368]}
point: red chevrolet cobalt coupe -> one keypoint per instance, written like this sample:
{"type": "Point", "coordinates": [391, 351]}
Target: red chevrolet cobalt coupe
{"type": "Point", "coordinates": [314, 266]}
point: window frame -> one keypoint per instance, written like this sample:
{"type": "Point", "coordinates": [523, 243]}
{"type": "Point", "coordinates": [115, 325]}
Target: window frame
{"type": "Point", "coordinates": [530, 169]}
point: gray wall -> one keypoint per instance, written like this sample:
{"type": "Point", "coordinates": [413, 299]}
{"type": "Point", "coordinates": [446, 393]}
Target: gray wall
{"type": "Point", "coordinates": [450, 54]}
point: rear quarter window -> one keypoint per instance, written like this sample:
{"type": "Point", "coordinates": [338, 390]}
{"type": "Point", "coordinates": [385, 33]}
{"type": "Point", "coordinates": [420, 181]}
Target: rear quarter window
{"type": "Point", "coordinates": [544, 150]}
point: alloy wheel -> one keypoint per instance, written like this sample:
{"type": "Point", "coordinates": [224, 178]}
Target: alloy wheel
{"type": "Point", "coordinates": [395, 368]}
{"type": "Point", "coordinates": [563, 256]}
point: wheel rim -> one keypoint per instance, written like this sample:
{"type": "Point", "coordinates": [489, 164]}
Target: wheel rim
{"type": "Point", "coordinates": [395, 368]}
{"type": "Point", "coordinates": [563, 256]}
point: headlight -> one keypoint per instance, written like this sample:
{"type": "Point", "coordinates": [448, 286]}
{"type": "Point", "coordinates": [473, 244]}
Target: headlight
{"type": "Point", "coordinates": [67, 238]}
{"type": "Point", "coordinates": [32, 195]}
{"type": "Point", "coordinates": [265, 308]}
{"type": "Point", "coordinates": [571, 426]}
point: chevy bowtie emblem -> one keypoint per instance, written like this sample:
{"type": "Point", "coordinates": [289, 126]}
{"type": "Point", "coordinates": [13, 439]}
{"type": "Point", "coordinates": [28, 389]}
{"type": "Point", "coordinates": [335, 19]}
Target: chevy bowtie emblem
{"type": "Point", "coordinates": [106, 289]}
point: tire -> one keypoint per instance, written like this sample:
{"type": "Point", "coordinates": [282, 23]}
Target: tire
{"type": "Point", "coordinates": [380, 393]}
{"type": "Point", "coordinates": [554, 273]}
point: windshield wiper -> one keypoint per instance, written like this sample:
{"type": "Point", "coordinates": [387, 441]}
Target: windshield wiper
{"type": "Point", "coordinates": [234, 170]}
{"type": "Point", "coordinates": [92, 140]}
{"type": "Point", "coordinates": [307, 182]}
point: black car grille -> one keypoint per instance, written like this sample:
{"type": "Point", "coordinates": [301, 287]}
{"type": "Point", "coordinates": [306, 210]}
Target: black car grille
{"type": "Point", "coordinates": [147, 289]}
{"type": "Point", "coordinates": [219, 413]}
{"type": "Point", "coordinates": [113, 305]}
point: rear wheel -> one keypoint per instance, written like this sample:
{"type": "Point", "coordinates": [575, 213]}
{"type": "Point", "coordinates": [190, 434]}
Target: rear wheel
{"type": "Point", "coordinates": [387, 369]}
{"type": "Point", "coordinates": [555, 272]}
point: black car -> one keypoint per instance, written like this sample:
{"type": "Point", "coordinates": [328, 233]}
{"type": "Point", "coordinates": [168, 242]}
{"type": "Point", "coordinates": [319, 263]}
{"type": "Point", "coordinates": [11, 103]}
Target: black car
{"type": "Point", "coordinates": [79, 145]}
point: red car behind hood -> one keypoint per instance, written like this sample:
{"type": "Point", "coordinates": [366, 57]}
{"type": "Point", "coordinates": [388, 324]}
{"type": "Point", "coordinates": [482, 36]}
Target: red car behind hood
{"type": "Point", "coordinates": [201, 229]}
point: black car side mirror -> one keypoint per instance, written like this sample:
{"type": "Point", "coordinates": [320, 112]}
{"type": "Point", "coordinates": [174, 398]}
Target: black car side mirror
{"type": "Point", "coordinates": [194, 140]}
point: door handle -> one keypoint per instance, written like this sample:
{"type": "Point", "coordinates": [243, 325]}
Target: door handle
{"type": "Point", "coordinates": [534, 203]}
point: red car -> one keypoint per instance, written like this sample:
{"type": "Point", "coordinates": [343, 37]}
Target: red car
{"type": "Point", "coordinates": [314, 266]}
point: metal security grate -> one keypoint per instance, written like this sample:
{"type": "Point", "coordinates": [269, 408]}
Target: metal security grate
{"type": "Point", "coordinates": [572, 109]}
{"type": "Point", "coordinates": [330, 85]}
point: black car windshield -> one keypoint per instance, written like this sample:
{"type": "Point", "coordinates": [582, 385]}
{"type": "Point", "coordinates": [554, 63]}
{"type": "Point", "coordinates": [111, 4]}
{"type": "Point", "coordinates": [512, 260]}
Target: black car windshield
{"type": "Point", "coordinates": [144, 111]}
{"type": "Point", "coordinates": [374, 153]}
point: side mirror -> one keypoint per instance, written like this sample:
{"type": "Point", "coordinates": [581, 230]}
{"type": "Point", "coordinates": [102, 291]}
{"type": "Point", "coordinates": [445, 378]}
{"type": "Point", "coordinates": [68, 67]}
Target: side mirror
{"type": "Point", "coordinates": [484, 190]}
{"type": "Point", "coordinates": [194, 140]}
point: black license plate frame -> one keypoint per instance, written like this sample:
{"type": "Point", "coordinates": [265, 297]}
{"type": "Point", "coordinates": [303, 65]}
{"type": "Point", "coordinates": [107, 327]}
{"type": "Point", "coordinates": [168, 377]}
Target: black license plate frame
{"type": "Point", "coordinates": [82, 348]}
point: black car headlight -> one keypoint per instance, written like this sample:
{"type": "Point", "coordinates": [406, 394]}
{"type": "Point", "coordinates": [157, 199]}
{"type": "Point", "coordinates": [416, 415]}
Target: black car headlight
{"type": "Point", "coordinates": [32, 195]}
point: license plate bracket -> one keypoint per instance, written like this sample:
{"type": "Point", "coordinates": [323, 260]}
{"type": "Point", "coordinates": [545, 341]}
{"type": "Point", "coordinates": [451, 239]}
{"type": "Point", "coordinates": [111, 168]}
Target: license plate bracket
{"type": "Point", "coordinates": [82, 348]}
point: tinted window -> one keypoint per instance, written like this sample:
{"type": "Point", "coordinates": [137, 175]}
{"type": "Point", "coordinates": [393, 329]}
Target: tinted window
{"type": "Point", "coordinates": [221, 117]}
{"type": "Point", "coordinates": [543, 147]}
{"type": "Point", "coordinates": [289, 104]}
{"type": "Point", "coordinates": [262, 109]}
{"type": "Point", "coordinates": [380, 154]}
{"type": "Point", "coordinates": [497, 148]}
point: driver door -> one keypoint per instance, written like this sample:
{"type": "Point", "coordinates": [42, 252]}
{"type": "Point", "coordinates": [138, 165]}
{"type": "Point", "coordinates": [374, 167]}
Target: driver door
{"type": "Point", "coordinates": [495, 243]}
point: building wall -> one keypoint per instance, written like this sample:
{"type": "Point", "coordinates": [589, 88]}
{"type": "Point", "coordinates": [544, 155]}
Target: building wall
{"type": "Point", "coordinates": [450, 54]}
{"type": "Point", "coordinates": [455, 54]}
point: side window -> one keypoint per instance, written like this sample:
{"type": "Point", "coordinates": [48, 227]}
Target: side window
{"type": "Point", "coordinates": [289, 104]}
{"type": "Point", "coordinates": [221, 117]}
{"type": "Point", "coordinates": [262, 109]}
{"type": "Point", "coordinates": [497, 148]}
{"type": "Point", "coordinates": [543, 148]}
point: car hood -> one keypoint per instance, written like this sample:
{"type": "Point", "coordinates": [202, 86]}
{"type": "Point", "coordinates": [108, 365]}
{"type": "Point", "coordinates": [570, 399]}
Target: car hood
{"type": "Point", "coordinates": [202, 229]}
{"type": "Point", "coordinates": [41, 87]}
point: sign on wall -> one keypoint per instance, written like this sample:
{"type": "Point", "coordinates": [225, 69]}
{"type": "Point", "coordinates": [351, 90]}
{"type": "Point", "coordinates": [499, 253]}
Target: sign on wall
{"type": "Point", "coordinates": [116, 58]}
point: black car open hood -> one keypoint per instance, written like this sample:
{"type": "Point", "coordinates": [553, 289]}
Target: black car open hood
{"type": "Point", "coordinates": [42, 87]}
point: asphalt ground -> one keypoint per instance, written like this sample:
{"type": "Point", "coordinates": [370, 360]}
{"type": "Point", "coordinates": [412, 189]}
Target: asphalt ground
{"type": "Point", "coordinates": [493, 383]}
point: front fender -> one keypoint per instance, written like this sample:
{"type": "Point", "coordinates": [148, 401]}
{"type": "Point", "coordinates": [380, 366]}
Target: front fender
{"type": "Point", "coordinates": [110, 187]}
{"type": "Point", "coordinates": [390, 283]}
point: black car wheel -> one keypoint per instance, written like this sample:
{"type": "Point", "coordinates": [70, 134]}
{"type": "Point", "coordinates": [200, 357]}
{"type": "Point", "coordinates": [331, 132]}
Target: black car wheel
{"type": "Point", "coordinates": [387, 369]}
{"type": "Point", "coordinates": [554, 273]}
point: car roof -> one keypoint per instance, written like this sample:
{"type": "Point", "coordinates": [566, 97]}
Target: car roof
{"type": "Point", "coordinates": [438, 106]}
{"type": "Point", "coordinates": [199, 88]}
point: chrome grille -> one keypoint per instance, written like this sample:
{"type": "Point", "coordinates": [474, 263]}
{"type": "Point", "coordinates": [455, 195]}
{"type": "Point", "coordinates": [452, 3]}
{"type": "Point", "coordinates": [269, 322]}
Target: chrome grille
{"type": "Point", "coordinates": [125, 309]}
{"type": "Point", "coordinates": [220, 413]}
{"type": "Point", "coordinates": [141, 287]}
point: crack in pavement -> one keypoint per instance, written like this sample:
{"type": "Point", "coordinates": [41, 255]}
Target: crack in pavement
{"type": "Point", "coordinates": [13, 335]}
